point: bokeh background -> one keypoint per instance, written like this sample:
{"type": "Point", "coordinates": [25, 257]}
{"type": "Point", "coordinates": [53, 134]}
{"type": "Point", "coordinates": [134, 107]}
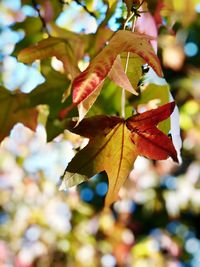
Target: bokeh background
{"type": "Point", "coordinates": [157, 221]}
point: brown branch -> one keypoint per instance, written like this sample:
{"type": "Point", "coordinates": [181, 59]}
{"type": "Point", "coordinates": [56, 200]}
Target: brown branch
{"type": "Point", "coordinates": [82, 5]}
{"type": "Point", "coordinates": [44, 25]}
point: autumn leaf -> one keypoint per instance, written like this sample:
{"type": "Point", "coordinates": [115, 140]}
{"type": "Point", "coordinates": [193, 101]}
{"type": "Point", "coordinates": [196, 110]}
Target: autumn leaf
{"type": "Point", "coordinates": [123, 41]}
{"type": "Point", "coordinates": [50, 47]}
{"type": "Point", "coordinates": [14, 108]}
{"type": "Point", "coordinates": [114, 145]}
{"type": "Point", "coordinates": [150, 141]}
{"type": "Point", "coordinates": [98, 40]}
{"type": "Point", "coordinates": [118, 76]}
{"type": "Point", "coordinates": [87, 103]}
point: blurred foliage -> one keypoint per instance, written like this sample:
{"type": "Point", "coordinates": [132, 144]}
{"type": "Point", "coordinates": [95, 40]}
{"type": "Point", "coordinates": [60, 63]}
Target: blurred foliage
{"type": "Point", "coordinates": [156, 222]}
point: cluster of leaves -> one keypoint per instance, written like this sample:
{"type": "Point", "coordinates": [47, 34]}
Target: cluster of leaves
{"type": "Point", "coordinates": [55, 227]}
{"type": "Point", "coordinates": [116, 61]}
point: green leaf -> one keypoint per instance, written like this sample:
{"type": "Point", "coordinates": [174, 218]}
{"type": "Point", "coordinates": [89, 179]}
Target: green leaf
{"type": "Point", "coordinates": [134, 69]}
{"type": "Point", "coordinates": [159, 93]}
{"type": "Point", "coordinates": [32, 27]}
{"type": "Point", "coordinates": [109, 101]}
{"type": "Point", "coordinates": [50, 93]}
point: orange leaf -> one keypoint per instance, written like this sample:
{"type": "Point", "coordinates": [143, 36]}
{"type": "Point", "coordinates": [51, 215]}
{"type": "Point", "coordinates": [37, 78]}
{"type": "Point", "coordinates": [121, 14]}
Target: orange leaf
{"type": "Point", "coordinates": [152, 143]}
{"type": "Point", "coordinates": [152, 117]}
{"type": "Point", "coordinates": [50, 47]}
{"type": "Point", "coordinates": [86, 104]}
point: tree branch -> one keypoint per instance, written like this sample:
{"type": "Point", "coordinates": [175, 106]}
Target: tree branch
{"type": "Point", "coordinates": [44, 25]}
{"type": "Point", "coordinates": [82, 5]}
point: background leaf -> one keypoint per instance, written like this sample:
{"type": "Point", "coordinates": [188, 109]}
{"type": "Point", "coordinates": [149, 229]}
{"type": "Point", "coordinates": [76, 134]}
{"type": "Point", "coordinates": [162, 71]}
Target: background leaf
{"type": "Point", "coordinates": [14, 108]}
{"type": "Point", "coordinates": [50, 47]}
{"type": "Point", "coordinates": [134, 69]}
{"type": "Point", "coordinates": [160, 94]}
{"type": "Point", "coordinates": [50, 93]}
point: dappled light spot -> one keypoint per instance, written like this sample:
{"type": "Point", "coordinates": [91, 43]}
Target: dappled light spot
{"type": "Point", "coordinates": [192, 245]}
{"type": "Point", "coordinates": [191, 49]}
{"type": "Point", "coordinates": [33, 233]}
{"type": "Point", "coordinates": [108, 260]}
{"type": "Point", "coordinates": [101, 189]}
{"type": "Point", "coordinates": [86, 194]}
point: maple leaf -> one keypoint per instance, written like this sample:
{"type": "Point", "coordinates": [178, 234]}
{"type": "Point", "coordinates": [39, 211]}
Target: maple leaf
{"type": "Point", "coordinates": [15, 107]}
{"type": "Point", "coordinates": [114, 145]}
{"type": "Point", "coordinates": [118, 76]}
{"type": "Point", "coordinates": [122, 41]}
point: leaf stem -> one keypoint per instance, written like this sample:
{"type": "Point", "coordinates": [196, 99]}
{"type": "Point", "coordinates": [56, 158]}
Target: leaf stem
{"type": "Point", "coordinates": [123, 96]}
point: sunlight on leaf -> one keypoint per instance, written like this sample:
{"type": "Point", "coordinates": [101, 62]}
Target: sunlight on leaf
{"type": "Point", "coordinates": [118, 76]}
{"type": "Point", "coordinates": [114, 145]}
{"type": "Point", "coordinates": [161, 93]}
{"type": "Point", "coordinates": [134, 69]}
{"type": "Point", "coordinates": [123, 41]}
{"type": "Point", "coordinates": [50, 47]}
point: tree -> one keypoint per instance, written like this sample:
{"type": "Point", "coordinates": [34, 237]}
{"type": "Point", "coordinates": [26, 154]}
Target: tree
{"type": "Point", "coordinates": [103, 78]}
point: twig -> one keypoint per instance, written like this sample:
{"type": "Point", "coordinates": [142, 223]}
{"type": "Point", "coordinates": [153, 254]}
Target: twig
{"type": "Point", "coordinates": [82, 5]}
{"type": "Point", "coordinates": [109, 12]}
{"type": "Point", "coordinates": [44, 25]}
{"type": "Point", "coordinates": [141, 4]}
